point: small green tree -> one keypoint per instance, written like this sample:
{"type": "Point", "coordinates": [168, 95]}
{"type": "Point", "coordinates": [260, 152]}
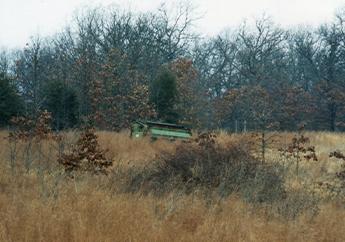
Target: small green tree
{"type": "Point", "coordinates": [10, 102]}
{"type": "Point", "coordinates": [62, 102]}
{"type": "Point", "coordinates": [164, 96]}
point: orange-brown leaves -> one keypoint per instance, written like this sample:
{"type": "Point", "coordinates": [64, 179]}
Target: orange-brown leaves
{"type": "Point", "coordinates": [97, 98]}
{"type": "Point", "coordinates": [120, 94]}
{"type": "Point", "coordinates": [250, 103]}
{"type": "Point", "coordinates": [86, 155]}
{"type": "Point", "coordinates": [189, 93]}
{"type": "Point", "coordinates": [25, 128]}
{"type": "Point", "coordinates": [121, 110]}
{"type": "Point", "coordinates": [299, 148]}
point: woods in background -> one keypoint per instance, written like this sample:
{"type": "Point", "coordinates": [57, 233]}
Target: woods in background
{"type": "Point", "coordinates": [114, 66]}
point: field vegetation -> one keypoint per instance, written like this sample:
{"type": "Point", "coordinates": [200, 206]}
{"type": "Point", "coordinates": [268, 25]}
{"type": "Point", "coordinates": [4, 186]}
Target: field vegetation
{"type": "Point", "coordinates": [151, 193]}
{"type": "Point", "coordinates": [265, 103]}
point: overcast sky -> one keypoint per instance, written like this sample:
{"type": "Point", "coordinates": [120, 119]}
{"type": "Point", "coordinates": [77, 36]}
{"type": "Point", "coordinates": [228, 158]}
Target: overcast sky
{"type": "Point", "coordinates": [20, 19]}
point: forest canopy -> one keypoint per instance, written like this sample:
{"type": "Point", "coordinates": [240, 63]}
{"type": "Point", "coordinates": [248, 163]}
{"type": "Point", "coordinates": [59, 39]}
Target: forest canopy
{"type": "Point", "coordinates": [112, 66]}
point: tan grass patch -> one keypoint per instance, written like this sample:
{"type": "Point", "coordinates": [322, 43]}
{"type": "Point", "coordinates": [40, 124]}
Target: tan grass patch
{"type": "Point", "coordinates": [81, 210]}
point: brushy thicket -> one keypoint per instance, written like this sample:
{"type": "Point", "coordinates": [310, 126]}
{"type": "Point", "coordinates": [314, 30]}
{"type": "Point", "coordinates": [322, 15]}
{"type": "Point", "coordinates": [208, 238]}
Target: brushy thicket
{"type": "Point", "coordinates": [206, 166]}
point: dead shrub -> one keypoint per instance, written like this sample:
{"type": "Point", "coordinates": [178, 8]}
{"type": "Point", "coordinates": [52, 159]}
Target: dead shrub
{"type": "Point", "coordinates": [341, 174]}
{"type": "Point", "coordinates": [206, 165]}
{"type": "Point", "coordinates": [299, 149]}
{"type": "Point", "coordinates": [337, 154]}
{"type": "Point", "coordinates": [86, 156]}
{"type": "Point", "coordinates": [31, 133]}
{"type": "Point", "coordinates": [297, 203]}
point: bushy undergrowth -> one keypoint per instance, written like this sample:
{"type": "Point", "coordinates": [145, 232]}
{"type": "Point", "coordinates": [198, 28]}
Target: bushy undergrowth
{"type": "Point", "coordinates": [205, 165]}
{"type": "Point", "coordinates": [297, 203]}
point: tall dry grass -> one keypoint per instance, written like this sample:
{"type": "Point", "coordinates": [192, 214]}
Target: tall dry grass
{"type": "Point", "coordinates": [133, 152]}
{"type": "Point", "coordinates": [83, 209]}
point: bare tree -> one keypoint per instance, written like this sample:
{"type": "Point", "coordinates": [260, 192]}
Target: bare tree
{"type": "Point", "coordinates": [261, 53]}
{"type": "Point", "coordinates": [32, 70]}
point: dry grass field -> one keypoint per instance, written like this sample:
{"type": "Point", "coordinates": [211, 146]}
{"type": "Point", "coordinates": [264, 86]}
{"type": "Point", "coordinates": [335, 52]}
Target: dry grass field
{"type": "Point", "coordinates": [40, 203]}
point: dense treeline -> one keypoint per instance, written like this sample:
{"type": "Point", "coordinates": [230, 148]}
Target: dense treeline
{"type": "Point", "coordinates": [114, 66]}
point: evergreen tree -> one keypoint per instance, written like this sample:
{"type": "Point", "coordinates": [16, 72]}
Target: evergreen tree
{"type": "Point", "coordinates": [164, 96]}
{"type": "Point", "coordinates": [62, 102]}
{"type": "Point", "coordinates": [10, 102]}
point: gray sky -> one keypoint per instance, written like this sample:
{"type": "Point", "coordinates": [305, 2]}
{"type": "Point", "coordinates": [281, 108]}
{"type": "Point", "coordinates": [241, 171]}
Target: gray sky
{"type": "Point", "coordinates": [20, 19]}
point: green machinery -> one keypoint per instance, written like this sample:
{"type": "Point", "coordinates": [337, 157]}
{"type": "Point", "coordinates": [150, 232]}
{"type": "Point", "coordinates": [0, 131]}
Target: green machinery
{"type": "Point", "coordinates": [157, 129]}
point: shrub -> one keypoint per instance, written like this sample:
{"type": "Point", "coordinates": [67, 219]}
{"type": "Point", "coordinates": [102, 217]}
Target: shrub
{"type": "Point", "coordinates": [86, 155]}
{"type": "Point", "coordinates": [299, 149]}
{"type": "Point", "coordinates": [32, 133]}
{"type": "Point", "coordinates": [341, 174]}
{"type": "Point", "coordinates": [297, 203]}
{"type": "Point", "coordinates": [206, 165]}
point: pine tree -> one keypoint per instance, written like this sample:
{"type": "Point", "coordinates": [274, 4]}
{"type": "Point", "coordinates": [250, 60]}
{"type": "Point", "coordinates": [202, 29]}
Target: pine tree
{"type": "Point", "coordinates": [10, 102]}
{"type": "Point", "coordinates": [164, 96]}
{"type": "Point", "coordinates": [62, 102]}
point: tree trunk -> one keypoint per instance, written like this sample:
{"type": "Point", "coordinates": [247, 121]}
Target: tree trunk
{"type": "Point", "coordinates": [333, 115]}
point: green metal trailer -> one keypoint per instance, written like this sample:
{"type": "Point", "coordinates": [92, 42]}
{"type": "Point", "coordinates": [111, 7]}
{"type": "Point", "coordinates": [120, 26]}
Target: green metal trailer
{"type": "Point", "coordinates": [159, 130]}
